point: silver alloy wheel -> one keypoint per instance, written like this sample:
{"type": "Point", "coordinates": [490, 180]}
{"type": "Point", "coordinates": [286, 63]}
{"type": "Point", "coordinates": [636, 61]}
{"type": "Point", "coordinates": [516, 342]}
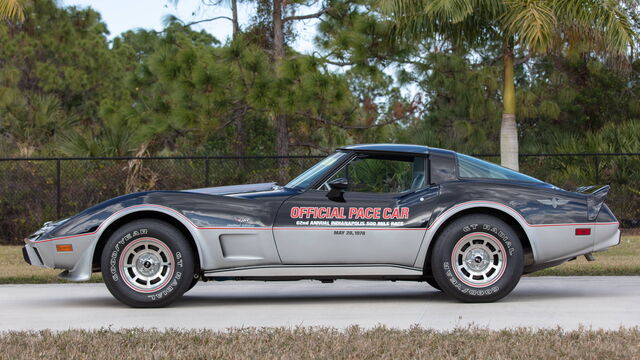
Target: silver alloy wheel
{"type": "Point", "coordinates": [478, 259]}
{"type": "Point", "coordinates": [146, 265]}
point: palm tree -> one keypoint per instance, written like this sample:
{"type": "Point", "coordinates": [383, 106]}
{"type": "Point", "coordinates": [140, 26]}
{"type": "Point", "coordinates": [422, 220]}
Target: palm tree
{"type": "Point", "coordinates": [535, 27]}
{"type": "Point", "coordinates": [11, 9]}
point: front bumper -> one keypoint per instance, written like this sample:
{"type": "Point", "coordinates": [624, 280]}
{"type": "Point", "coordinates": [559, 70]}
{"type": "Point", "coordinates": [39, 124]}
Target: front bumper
{"type": "Point", "coordinates": [77, 264]}
{"type": "Point", "coordinates": [32, 256]}
{"type": "Point", "coordinates": [25, 255]}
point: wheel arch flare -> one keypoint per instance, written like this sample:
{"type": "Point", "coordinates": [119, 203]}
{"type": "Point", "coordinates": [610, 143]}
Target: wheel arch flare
{"type": "Point", "coordinates": [89, 261]}
{"type": "Point", "coordinates": [170, 216]}
{"type": "Point", "coordinates": [501, 211]}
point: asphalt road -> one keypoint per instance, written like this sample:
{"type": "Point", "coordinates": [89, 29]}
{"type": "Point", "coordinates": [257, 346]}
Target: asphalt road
{"type": "Point", "coordinates": [568, 302]}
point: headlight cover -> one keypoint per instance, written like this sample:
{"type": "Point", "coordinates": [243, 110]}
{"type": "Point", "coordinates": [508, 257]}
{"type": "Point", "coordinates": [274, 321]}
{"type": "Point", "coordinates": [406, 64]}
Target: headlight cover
{"type": "Point", "coordinates": [45, 229]}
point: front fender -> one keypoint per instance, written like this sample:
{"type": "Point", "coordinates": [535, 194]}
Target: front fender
{"type": "Point", "coordinates": [78, 264]}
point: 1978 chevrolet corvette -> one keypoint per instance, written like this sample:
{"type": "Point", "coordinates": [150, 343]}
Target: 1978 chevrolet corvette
{"type": "Point", "coordinates": [385, 212]}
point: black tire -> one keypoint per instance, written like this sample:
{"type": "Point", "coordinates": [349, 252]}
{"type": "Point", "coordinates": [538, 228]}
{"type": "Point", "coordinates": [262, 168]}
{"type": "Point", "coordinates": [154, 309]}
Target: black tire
{"type": "Point", "coordinates": [432, 281]}
{"type": "Point", "coordinates": [477, 258]}
{"type": "Point", "coordinates": [194, 282]}
{"type": "Point", "coordinates": [150, 248]}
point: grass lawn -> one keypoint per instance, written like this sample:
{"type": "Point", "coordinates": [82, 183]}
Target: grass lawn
{"type": "Point", "coordinates": [322, 343]}
{"type": "Point", "coordinates": [620, 260]}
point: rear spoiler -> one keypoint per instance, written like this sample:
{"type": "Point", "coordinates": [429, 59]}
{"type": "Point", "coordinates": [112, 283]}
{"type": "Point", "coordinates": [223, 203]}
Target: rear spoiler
{"type": "Point", "coordinates": [595, 198]}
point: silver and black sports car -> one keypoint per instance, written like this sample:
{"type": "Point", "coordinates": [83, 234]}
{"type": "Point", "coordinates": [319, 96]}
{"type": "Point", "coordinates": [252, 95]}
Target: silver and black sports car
{"type": "Point", "coordinates": [386, 212]}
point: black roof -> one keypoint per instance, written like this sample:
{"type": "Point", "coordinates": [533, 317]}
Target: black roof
{"type": "Point", "coordinates": [395, 148]}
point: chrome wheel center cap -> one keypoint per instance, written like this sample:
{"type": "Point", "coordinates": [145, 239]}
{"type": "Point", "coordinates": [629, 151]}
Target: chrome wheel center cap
{"type": "Point", "coordinates": [477, 259]}
{"type": "Point", "coordinates": [148, 264]}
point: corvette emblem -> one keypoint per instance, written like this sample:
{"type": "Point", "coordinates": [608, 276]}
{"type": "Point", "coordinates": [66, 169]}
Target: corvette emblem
{"type": "Point", "coordinates": [555, 202]}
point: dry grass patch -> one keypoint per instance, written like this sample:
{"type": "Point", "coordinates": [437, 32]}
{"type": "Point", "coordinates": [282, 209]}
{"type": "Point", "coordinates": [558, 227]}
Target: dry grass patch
{"type": "Point", "coordinates": [322, 343]}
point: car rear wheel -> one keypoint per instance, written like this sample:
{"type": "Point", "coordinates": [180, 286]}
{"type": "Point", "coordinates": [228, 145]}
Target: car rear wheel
{"type": "Point", "coordinates": [477, 258]}
{"type": "Point", "coordinates": [147, 263]}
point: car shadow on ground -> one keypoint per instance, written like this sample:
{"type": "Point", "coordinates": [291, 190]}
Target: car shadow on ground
{"type": "Point", "coordinates": [289, 298]}
{"type": "Point", "coordinates": [209, 297]}
{"type": "Point", "coordinates": [255, 295]}
{"type": "Point", "coordinates": [542, 294]}
{"type": "Point", "coordinates": [401, 296]}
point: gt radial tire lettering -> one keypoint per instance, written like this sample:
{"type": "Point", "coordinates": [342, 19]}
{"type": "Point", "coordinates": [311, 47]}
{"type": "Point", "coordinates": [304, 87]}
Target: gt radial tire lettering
{"type": "Point", "coordinates": [167, 290]}
{"type": "Point", "coordinates": [454, 281]}
{"type": "Point", "coordinates": [113, 263]}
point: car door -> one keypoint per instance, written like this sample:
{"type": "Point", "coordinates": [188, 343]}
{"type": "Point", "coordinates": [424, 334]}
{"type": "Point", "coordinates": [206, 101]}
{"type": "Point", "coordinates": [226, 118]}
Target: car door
{"type": "Point", "coordinates": [380, 218]}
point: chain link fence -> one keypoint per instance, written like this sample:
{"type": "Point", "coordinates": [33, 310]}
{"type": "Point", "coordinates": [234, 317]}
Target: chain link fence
{"type": "Point", "coordinates": [35, 190]}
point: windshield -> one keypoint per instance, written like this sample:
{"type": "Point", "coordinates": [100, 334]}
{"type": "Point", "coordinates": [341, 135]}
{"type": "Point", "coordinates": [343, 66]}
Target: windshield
{"type": "Point", "coordinates": [314, 173]}
{"type": "Point", "coordinates": [470, 167]}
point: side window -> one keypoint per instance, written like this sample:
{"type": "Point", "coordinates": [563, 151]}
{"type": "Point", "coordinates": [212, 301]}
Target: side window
{"type": "Point", "coordinates": [470, 167]}
{"type": "Point", "coordinates": [383, 174]}
{"type": "Point", "coordinates": [443, 168]}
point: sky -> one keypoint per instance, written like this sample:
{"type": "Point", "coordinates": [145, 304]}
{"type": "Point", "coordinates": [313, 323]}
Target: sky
{"type": "Point", "coordinates": [123, 15]}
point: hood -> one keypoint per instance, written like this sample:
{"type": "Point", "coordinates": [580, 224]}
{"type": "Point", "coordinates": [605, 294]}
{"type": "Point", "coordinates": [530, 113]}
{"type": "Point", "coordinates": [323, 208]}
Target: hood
{"type": "Point", "coordinates": [235, 189]}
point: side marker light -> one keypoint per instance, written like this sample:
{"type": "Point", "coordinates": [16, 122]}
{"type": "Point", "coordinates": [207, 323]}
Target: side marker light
{"type": "Point", "coordinates": [64, 248]}
{"type": "Point", "coordinates": [584, 231]}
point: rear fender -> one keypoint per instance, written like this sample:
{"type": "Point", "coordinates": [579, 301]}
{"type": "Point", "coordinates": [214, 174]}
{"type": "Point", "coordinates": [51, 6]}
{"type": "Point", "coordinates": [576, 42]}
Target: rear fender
{"type": "Point", "coordinates": [443, 220]}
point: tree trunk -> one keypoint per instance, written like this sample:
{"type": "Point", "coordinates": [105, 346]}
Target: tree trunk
{"type": "Point", "coordinates": [508, 128]}
{"type": "Point", "coordinates": [282, 148]}
{"type": "Point", "coordinates": [278, 30]}
{"type": "Point", "coordinates": [240, 141]}
{"type": "Point", "coordinates": [234, 16]}
{"type": "Point", "coordinates": [282, 127]}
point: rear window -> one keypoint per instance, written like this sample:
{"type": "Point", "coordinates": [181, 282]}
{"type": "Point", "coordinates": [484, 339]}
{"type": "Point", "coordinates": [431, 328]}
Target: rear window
{"type": "Point", "coordinates": [472, 168]}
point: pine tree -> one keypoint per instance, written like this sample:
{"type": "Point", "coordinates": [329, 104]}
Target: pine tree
{"type": "Point", "coordinates": [56, 69]}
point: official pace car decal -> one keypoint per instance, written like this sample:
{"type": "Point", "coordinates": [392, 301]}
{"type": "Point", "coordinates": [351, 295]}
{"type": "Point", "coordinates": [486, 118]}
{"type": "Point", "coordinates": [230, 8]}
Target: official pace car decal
{"type": "Point", "coordinates": [350, 216]}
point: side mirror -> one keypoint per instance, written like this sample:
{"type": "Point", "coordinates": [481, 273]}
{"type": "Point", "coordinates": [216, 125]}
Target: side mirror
{"type": "Point", "coordinates": [338, 187]}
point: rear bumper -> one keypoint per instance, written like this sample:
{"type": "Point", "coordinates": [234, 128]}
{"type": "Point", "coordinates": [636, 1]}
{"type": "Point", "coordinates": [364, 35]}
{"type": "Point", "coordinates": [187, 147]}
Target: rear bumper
{"type": "Point", "coordinates": [606, 237]}
{"type": "Point", "coordinates": [560, 243]}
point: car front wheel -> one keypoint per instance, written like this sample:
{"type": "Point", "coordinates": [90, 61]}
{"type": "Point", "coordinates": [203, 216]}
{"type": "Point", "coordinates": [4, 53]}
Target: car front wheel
{"type": "Point", "coordinates": [477, 258]}
{"type": "Point", "coordinates": [147, 263]}
{"type": "Point", "coordinates": [432, 281]}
